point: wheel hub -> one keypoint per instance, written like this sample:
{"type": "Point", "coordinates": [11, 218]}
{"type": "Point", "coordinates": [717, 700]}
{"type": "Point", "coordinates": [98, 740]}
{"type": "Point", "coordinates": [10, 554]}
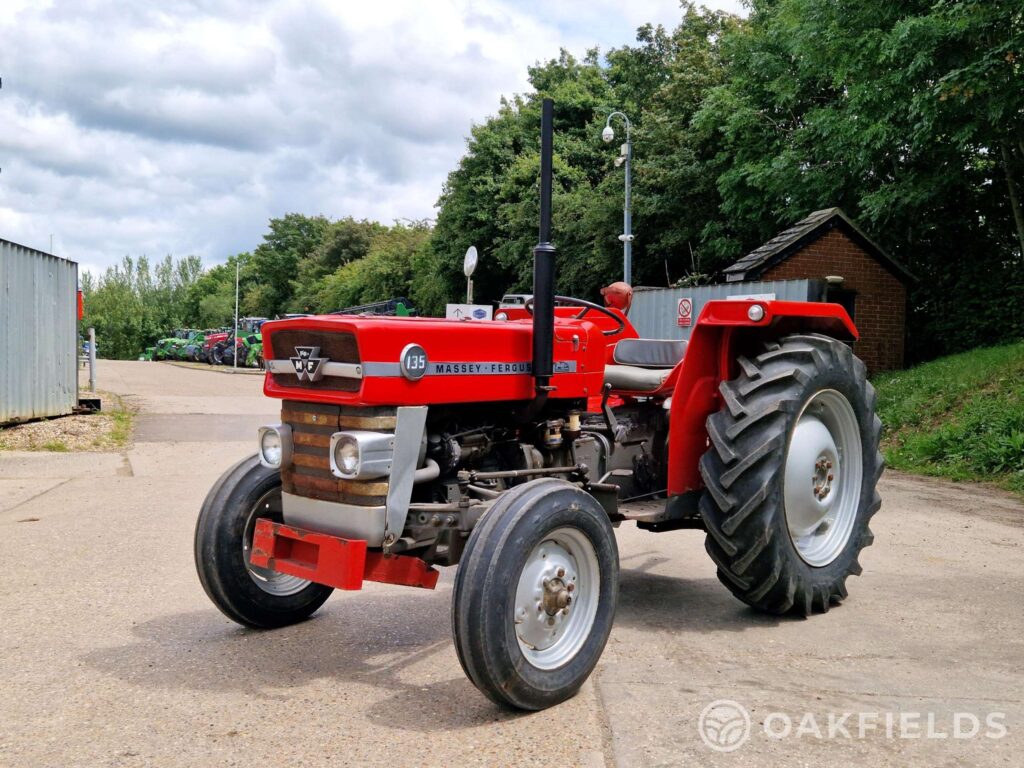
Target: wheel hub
{"type": "Point", "coordinates": [810, 475]}
{"type": "Point", "coordinates": [556, 599]}
{"type": "Point", "coordinates": [544, 595]}
{"type": "Point", "coordinates": [822, 477]}
{"type": "Point", "coordinates": [557, 594]}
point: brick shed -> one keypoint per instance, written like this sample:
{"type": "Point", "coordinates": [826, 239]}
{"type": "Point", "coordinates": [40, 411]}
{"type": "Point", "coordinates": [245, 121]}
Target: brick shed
{"type": "Point", "coordinates": [827, 245]}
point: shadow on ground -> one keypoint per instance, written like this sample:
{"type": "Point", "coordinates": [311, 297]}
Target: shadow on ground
{"type": "Point", "coordinates": [379, 639]}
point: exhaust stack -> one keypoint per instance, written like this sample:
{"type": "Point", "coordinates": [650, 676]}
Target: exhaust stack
{"type": "Point", "coordinates": [544, 263]}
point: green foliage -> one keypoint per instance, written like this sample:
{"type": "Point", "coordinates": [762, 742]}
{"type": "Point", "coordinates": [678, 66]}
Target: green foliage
{"type": "Point", "coordinates": [910, 116]}
{"type": "Point", "coordinates": [899, 113]}
{"type": "Point", "coordinates": [132, 305]}
{"type": "Point", "coordinates": [303, 265]}
{"type": "Point", "coordinates": [960, 417]}
{"type": "Point", "coordinates": [343, 242]}
{"type": "Point", "coordinates": [291, 240]}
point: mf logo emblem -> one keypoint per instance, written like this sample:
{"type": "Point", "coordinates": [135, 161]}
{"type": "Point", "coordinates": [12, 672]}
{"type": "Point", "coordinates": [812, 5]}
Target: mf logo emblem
{"type": "Point", "coordinates": [308, 367]}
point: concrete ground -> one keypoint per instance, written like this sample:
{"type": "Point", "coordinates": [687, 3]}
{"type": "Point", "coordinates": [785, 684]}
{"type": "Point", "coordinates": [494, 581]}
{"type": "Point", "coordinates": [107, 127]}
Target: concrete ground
{"type": "Point", "coordinates": [113, 656]}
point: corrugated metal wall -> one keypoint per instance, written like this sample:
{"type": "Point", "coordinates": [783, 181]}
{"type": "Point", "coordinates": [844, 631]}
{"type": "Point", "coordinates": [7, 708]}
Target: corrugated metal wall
{"type": "Point", "coordinates": [655, 311]}
{"type": "Point", "coordinates": [38, 334]}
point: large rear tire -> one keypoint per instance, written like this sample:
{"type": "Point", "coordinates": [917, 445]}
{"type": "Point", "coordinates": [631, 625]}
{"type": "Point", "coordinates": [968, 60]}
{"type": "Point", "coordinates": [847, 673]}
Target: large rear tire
{"type": "Point", "coordinates": [248, 594]}
{"type": "Point", "coordinates": [790, 475]}
{"type": "Point", "coordinates": [535, 595]}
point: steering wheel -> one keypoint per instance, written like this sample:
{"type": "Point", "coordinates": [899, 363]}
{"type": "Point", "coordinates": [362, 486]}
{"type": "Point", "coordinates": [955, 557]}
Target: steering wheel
{"type": "Point", "coordinates": [587, 306]}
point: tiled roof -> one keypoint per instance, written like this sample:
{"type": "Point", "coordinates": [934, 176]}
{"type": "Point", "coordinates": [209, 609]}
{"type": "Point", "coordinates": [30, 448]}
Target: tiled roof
{"type": "Point", "coordinates": [805, 231]}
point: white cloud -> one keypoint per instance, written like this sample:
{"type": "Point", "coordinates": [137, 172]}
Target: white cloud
{"type": "Point", "coordinates": [130, 128]}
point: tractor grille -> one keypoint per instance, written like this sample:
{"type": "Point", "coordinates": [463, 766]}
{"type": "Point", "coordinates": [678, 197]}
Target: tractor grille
{"type": "Point", "coordinates": [310, 475]}
{"type": "Point", "coordinates": [339, 347]}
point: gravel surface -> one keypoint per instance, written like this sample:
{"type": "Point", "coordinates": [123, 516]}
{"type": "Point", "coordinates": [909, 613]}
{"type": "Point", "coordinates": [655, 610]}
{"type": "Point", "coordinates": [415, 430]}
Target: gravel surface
{"type": "Point", "coordinates": [92, 432]}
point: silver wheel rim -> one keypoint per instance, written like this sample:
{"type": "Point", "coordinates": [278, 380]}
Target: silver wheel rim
{"type": "Point", "coordinates": [823, 473]}
{"type": "Point", "coordinates": [557, 598]}
{"type": "Point", "coordinates": [271, 582]}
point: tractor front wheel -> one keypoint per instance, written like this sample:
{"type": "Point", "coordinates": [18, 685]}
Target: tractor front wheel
{"type": "Point", "coordinates": [251, 595]}
{"type": "Point", "coordinates": [535, 594]}
{"type": "Point", "coordinates": [790, 475]}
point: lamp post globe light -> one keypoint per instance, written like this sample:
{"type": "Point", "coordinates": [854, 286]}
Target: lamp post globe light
{"type": "Point", "coordinates": [625, 158]}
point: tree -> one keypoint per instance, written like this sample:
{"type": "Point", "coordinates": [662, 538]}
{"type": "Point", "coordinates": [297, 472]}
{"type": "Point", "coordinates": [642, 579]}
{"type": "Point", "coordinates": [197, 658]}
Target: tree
{"type": "Point", "coordinates": [131, 305]}
{"type": "Point", "coordinates": [276, 260]}
{"type": "Point", "coordinates": [863, 105]}
{"type": "Point", "coordinates": [387, 271]}
{"type": "Point", "coordinates": [345, 241]}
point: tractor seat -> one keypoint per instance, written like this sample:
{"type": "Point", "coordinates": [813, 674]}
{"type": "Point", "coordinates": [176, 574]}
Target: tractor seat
{"type": "Point", "coordinates": [649, 353]}
{"type": "Point", "coordinates": [643, 365]}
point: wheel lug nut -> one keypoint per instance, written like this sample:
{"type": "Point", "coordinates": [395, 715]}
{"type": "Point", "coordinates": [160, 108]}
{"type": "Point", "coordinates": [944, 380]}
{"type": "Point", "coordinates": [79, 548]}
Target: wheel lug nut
{"type": "Point", "coordinates": [561, 572]}
{"type": "Point", "coordinates": [570, 587]}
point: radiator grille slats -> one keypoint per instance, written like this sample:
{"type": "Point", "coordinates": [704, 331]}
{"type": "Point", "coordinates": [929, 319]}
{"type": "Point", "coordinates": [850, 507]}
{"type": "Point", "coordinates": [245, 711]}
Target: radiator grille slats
{"type": "Point", "coordinates": [338, 346]}
{"type": "Point", "coordinates": [310, 475]}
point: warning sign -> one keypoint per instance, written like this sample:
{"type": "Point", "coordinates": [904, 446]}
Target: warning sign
{"type": "Point", "coordinates": [685, 318]}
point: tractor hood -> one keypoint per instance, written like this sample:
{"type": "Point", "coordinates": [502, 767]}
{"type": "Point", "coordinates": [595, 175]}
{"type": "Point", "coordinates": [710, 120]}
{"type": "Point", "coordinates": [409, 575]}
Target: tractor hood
{"type": "Point", "coordinates": [424, 361]}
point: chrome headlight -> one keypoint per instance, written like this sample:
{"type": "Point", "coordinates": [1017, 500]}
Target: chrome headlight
{"type": "Point", "coordinates": [346, 455]}
{"type": "Point", "coordinates": [275, 446]}
{"type": "Point", "coordinates": [360, 454]}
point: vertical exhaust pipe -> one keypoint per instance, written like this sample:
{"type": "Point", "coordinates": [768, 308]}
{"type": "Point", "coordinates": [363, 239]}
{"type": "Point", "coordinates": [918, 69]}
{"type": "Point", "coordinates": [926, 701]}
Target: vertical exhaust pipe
{"type": "Point", "coordinates": [544, 264]}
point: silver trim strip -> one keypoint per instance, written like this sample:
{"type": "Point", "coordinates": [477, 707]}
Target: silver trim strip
{"type": "Point", "coordinates": [467, 368]}
{"type": "Point", "coordinates": [341, 370]}
{"type": "Point", "coordinates": [409, 428]}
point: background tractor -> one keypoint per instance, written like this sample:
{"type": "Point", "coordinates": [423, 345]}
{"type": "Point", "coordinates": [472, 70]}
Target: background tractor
{"type": "Point", "coordinates": [513, 448]}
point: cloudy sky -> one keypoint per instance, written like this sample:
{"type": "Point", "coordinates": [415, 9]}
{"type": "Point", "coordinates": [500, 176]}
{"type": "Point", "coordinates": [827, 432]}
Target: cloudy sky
{"type": "Point", "coordinates": [125, 129]}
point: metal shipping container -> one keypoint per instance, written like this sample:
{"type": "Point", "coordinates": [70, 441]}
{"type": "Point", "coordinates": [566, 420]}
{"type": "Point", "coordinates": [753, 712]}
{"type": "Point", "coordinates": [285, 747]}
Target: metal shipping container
{"type": "Point", "coordinates": [655, 312]}
{"type": "Point", "coordinates": [38, 334]}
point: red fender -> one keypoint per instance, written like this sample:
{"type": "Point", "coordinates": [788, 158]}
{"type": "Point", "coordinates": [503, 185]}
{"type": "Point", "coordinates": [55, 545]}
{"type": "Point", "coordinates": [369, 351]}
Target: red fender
{"type": "Point", "coordinates": [710, 359]}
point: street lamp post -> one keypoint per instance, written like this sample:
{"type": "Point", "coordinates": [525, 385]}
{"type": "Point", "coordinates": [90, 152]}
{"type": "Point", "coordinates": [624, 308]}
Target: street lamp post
{"type": "Point", "coordinates": [234, 358]}
{"type": "Point", "coordinates": [625, 157]}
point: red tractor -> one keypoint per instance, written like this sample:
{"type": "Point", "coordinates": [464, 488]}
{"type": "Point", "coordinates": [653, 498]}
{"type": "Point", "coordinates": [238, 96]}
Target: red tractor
{"type": "Point", "coordinates": [512, 448]}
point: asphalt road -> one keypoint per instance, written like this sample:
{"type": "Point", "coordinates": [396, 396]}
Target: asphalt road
{"type": "Point", "coordinates": [113, 656]}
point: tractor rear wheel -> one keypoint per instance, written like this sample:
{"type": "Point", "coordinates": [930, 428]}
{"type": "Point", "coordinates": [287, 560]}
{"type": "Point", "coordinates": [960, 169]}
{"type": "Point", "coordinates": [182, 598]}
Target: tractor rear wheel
{"type": "Point", "coordinates": [251, 595]}
{"type": "Point", "coordinates": [535, 594]}
{"type": "Point", "coordinates": [790, 475]}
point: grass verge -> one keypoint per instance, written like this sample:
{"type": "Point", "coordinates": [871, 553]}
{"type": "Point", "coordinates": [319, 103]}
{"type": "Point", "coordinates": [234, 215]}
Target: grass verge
{"type": "Point", "coordinates": [959, 417]}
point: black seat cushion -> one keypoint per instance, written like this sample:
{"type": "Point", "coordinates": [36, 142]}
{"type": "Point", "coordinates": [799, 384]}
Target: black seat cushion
{"type": "Point", "coordinates": [649, 353]}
